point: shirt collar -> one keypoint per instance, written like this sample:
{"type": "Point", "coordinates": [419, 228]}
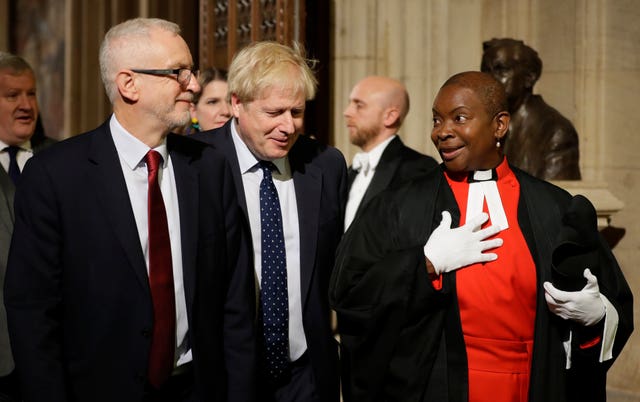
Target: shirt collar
{"type": "Point", "coordinates": [25, 146]}
{"type": "Point", "coordinates": [130, 149]}
{"type": "Point", "coordinates": [376, 153]}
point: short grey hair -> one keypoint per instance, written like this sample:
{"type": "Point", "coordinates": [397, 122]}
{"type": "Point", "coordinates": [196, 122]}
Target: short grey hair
{"type": "Point", "coordinates": [16, 64]}
{"type": "Point", "coordinates": [124, 40]}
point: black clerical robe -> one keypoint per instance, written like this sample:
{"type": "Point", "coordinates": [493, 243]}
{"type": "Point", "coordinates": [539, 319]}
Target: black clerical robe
{"type": "Point", "coordinates": [401, 340]}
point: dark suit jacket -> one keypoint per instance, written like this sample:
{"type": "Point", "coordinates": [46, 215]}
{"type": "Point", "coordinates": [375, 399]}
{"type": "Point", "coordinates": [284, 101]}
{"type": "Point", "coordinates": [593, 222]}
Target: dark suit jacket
{"type": "Point", "coordinates": [397, 165]}
{"type": "Point", "coordinates": [77, 293]}
{"type": "Point", "coordinates": [7, 191]}
{"type": "Point", "coordinates": [320, 180]}
{"type": "Point", "coordinates": [402, 340]}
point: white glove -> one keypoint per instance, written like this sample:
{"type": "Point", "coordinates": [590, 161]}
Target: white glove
{"type": "Point", "coordinates": [449, 249]}
{"type": "Point", "coordinates": [584, 306]}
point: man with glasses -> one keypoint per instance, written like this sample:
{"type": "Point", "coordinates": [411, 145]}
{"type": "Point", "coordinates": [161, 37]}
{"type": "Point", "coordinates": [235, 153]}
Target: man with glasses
{"type": "Point", "coordinates": [128, 277]}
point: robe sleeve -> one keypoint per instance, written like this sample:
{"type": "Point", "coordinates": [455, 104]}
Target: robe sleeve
{"type": "Point", "coordinates": [579, 245]}
{"type": "Point", "coordinates": [618, 300]}
{"type": "Point", "coordinates": [379, 263]}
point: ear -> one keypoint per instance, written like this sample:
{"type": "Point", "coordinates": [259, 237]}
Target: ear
{"type": "Point", "coordinates": [126, 83]}
{"type": "Point", "coordinates": [236, 104]}
{"type": "Point", "coordinates": [391, 117]}
{"type": "Point", "coordinates": [502, 120]}
{"type": "Point", "coordinates": [530, 79]}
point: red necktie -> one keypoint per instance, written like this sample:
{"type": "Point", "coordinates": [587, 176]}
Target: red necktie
{"type": "Point", "coordinates": [160, 280]}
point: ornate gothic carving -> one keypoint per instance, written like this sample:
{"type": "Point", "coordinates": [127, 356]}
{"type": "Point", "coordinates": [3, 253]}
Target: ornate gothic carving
{"type": "Point", "coordinates": [229, 25]}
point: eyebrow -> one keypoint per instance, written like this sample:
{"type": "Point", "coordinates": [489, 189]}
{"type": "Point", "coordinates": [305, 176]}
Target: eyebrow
{"type": "Point", "coordinates": [455, 109]}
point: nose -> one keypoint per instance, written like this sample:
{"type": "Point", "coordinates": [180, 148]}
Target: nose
{"type": "Point", "coordinates": [287, 126]}
{"type": "Point", "coordinates": [193, 84]}
{"type": "Point", "coordinates": [226, 108]}
{"type": "Point", "coordinates": [442, 131]}
{"type": "Point", "coordinates": [347, 111]}
{"type": "Point", "coordinates": [25, 102]}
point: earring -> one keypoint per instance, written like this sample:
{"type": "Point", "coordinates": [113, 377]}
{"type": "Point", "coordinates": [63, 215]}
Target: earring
{"type": "Point", "coordinates": [498, 144]}
{"type": "Point", "coordinates": [195, 123]}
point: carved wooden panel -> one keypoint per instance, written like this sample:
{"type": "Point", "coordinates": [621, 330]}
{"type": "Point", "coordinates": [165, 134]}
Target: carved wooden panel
{"type": "Point", "coordinates": [228, 25]}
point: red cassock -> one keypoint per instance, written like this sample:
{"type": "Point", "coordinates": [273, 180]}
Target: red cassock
{"type": "Point", "coordinates": [497, 303]}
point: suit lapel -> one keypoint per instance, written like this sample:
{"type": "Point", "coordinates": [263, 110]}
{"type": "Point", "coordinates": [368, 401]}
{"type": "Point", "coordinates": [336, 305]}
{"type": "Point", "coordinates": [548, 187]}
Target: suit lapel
{"type": "Point", "coordinates": [7, 191]}
{"type": "Point", "coordinates": [386, 169]}
{"type": "Point", "coordinates": [351, 176]}
{"type": "Point", "coordinates": [223, 142]}
{"type": "Point", "coordinates": [104, 173]}
{"type": "Point", "coordinates": [307, 180]}
{"type": "Point", "coordinates": [187, 188]}
{"type": "Point", "coordinates": [221, 139]}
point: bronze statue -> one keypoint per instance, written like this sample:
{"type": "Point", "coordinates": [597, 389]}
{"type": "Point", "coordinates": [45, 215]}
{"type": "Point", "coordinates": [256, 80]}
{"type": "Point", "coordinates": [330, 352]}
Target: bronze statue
{"type": "Point", "coordinates": [541, 141]}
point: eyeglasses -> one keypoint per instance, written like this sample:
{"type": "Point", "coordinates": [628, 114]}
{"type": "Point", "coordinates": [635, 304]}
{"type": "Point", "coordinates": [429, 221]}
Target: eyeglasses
{"type": "Point", "coordinates": [183, 75]}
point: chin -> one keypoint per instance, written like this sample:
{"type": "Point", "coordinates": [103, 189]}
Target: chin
{"type": "Point", "coordinates": [455, 167]}
{"type": "Point", "coordinates": [277, 153]}
{"type": "Point", "coordinates": [25, 133]}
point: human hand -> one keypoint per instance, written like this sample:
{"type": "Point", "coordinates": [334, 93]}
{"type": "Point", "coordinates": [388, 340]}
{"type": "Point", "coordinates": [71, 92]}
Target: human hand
{"type": "Point", "coordinates": [449, 249]}
{"type": "Point", "coordinates": [584, 306]}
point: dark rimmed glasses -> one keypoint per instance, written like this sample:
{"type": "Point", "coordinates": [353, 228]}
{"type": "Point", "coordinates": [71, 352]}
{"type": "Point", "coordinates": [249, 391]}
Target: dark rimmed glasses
{"type": "Point", "coordinates": [183, 75]}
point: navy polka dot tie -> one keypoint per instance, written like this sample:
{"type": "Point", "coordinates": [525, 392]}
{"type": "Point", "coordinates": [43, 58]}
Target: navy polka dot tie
{"type": "Point", "coordinates": [273, 287]}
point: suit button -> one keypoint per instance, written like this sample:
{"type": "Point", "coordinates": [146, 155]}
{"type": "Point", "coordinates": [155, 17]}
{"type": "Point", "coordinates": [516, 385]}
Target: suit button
{"type": "Point", "coordinates": [146, 332]}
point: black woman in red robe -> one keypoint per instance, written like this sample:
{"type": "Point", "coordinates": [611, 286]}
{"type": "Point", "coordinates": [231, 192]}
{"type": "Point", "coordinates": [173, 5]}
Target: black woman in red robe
{"type": "Point", "coordinates": [477, 282]}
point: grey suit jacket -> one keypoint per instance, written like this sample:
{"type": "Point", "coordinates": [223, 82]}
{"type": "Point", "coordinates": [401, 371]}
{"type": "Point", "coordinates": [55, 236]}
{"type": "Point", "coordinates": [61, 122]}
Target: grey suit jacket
{"type": "Point", "coordinates": [7, 190]}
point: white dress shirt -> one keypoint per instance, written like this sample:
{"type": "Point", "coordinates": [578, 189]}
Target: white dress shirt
{"type": "Point", "coordinates": [283, 181]}
{"type": "Point", "coordinates": [22, 156]}
{"type": "Point", "coordinates": [363, 179]}
{"type": "Point", "coordinates": [131, 152]}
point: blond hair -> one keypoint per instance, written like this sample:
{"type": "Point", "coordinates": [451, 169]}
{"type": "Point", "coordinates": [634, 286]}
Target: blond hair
{"type": "Point", "coordinates": [264, 65]}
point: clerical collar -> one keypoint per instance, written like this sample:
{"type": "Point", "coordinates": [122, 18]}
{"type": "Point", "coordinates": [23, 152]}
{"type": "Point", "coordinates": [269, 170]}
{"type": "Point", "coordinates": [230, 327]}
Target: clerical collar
{"type": "Point", "coordinates": [482, 175]}
{"type": "Point", "coordinates": [483, 189]}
